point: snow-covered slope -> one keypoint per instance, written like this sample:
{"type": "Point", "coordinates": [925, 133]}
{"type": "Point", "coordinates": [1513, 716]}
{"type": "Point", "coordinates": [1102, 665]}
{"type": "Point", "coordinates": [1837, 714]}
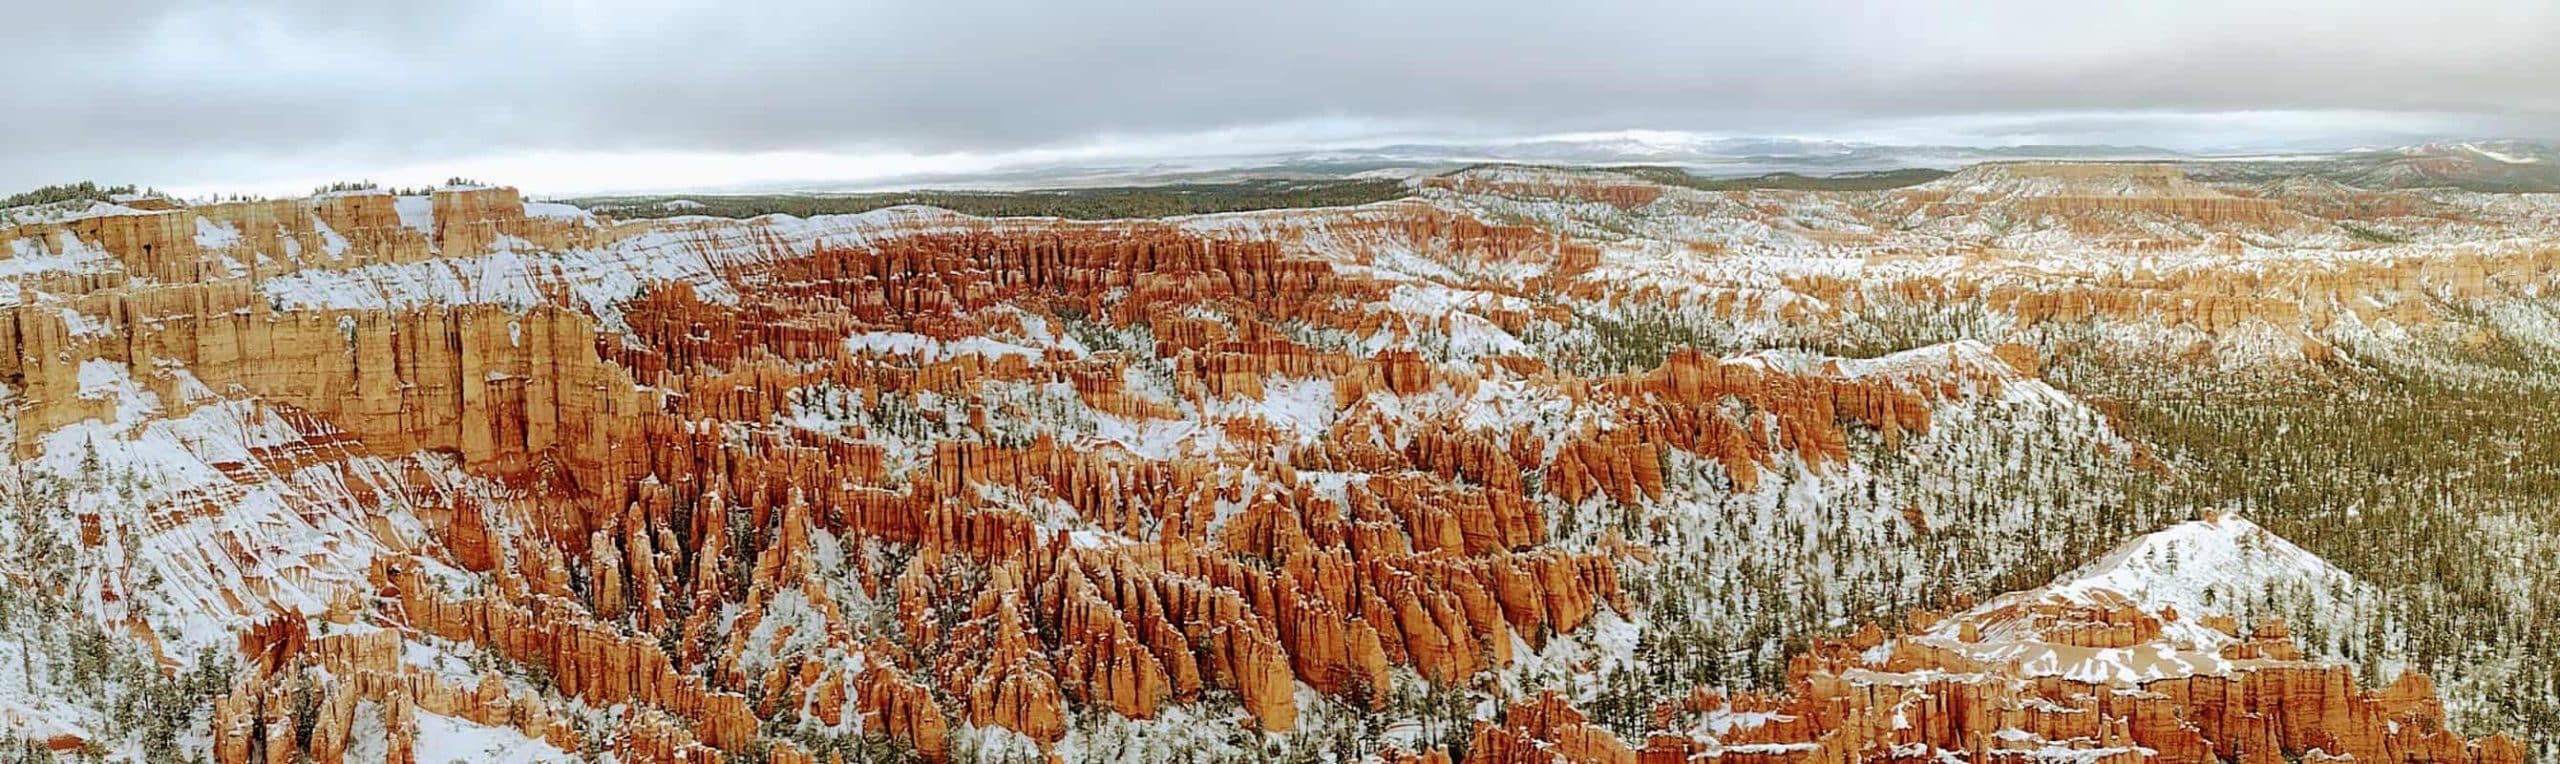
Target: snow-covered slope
{"type": "Point", "coordinates": [2172, 591]}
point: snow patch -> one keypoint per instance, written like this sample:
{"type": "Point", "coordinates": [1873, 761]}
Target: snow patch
{"type": "Point", "coordinates": [213, 236]}
{"type": "Point", "coordinates": [416, 212]}
{"type": "Point", "coordinates": [443, 739]}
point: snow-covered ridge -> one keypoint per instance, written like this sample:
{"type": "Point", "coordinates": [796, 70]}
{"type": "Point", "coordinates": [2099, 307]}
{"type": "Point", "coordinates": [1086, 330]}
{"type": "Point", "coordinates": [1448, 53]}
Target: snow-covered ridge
{"type": "Point", "coordinates": [2503, 152]}
{"type": "Point", "coordinates": [1967, 355]}
{"type": "Point", "coordinates": [2031, 179]}
{"type": "Point", "coordinates": [67, 212]}
{"type": "Point", "coordinates": [2181, 575]}
{"type": "Point", "coordinates": [2502, 157]}
{"type": "Point", "coordinates": [2193, 565]}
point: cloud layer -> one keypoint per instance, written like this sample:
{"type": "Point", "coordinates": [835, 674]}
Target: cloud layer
{"type": "Point", "coordinates": [192, 93]}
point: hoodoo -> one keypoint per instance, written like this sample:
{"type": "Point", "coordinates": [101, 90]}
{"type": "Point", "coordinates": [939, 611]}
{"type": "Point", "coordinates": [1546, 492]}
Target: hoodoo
{"type": "Point", "coordinates": [1530, 465]}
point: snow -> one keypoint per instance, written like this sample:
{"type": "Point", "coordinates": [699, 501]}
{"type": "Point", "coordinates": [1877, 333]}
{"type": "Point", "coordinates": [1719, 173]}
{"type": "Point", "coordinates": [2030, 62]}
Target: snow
{"type": "Point", "coordinates": [101, 379]}
{"type": "Point", "coordinates": [788, 612]}
{"type": "Point", "coordinates": [892, 343]}
{"type": "Point", "coordinates": [1469, 334]}
{"type": "Point", "coordinates": [2502, 157]}
{"type": "Point", "coordinates": [29, 257]}
{"type": "Point", "coordinates": [66, 212]}
{"type": "Point", "coordinates": [79, 324]}
{"type": "Point", "coordinates": [444, 739]}
{"type": "Point", "coordinates": [2223, 551]}
{"type": "Point", "coordinates": [909, 343]}
{"type": "Point", "coordinates": [2222, 558]}
{"type": "Point", "coordinates": [288, 537]}
{"type": "Point", "coordinates": [693, 250]}
{"type": "Point", "coordinates": [557, 211]}
{"type": "Point", "coordinates": [2183, 572]}
{"type": "Point", "coordinates": [331, 242]}
{"type": "Point", "coordinates": [1767, 749]}
{"type": "Point", "coordinates": [1304, 407]}
{"type": "Point", "coordinates": [292, 526]}
{"type": "Point", "coordinates": [351, 192]}
{"type": "Point", "coordinates": [416, 212]}
{"type": "Point", "coordinates": [506, 277]}
{"type": "Point", "coordinates": [2050, 753]}
{"type": "Point", "coordinates": [991, 349]}
{"type": "Point", "coordinates": [211, 236]}
{"type": "Point", "coordinates": [368, 737]}
{"type": "Point", "coordinates": [1030, 344]}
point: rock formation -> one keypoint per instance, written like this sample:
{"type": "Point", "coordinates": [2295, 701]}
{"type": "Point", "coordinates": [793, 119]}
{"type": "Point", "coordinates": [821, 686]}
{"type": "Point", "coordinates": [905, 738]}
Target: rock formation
{"type": "Point", "coordinates": [702, 489]}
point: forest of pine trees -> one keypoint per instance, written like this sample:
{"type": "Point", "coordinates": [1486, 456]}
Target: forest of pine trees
{"type": "Point", "coordinates": [67, 192]}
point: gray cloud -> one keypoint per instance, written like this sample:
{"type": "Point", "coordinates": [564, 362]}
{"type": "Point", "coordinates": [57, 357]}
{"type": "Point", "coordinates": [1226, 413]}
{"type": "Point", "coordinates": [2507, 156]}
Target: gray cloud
{"type": "Point", "coordinates": [172, 92]}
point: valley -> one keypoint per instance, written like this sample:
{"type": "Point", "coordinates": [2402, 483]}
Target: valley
{"type": "Point", "coordinates": [2098, 462]}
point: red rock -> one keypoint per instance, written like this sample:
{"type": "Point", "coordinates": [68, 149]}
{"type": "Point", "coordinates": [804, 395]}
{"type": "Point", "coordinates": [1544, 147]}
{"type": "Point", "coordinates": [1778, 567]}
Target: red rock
{"type": "Point", "coordinates": [650, 500]}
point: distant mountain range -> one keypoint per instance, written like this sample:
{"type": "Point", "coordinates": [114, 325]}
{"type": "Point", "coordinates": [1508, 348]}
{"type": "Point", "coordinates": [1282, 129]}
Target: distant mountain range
{"type": "Point", "coordinates": [2502, 166]}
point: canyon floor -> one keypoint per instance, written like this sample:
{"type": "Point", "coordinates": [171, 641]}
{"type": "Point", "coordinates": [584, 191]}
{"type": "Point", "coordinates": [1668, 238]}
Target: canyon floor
{"type": "Point", "coordinates": [2096, 463]}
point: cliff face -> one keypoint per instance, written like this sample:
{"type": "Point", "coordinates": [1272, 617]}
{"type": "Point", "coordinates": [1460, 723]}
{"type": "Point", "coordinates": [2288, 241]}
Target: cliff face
{"type": "Point", "coordinates": [2089, 191]}
{"type": "Point", "coordinates": [492, 385]}
{"type": "Point", "coordinates": [269, 716]}
{"type": "Point", "coordinates": [912, 481]}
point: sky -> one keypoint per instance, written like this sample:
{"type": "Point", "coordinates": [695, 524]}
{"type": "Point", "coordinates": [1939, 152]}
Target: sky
{"type": "Point", "coordinates": [564, 96]}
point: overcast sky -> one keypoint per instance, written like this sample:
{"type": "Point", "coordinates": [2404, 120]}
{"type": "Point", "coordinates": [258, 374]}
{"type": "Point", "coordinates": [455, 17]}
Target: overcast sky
{"type": "Point", "coordinates": [579, 95]}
